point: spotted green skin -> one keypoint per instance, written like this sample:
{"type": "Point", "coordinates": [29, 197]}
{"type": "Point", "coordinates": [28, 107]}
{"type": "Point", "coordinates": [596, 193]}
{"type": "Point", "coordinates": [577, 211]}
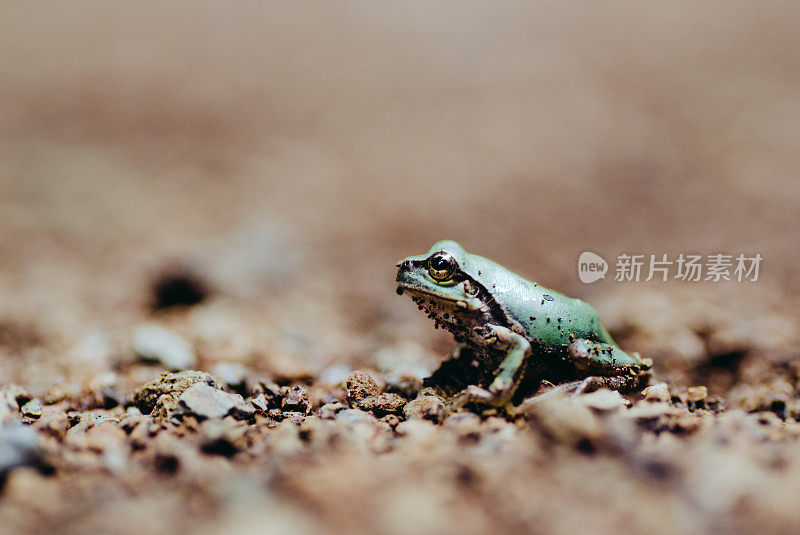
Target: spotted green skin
{"type": "Point", "coordinates": [536, 320]}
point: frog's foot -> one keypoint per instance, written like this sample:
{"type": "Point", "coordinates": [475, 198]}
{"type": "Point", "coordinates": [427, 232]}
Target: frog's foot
{"type": "Point", "coordinates": [607, 366]}
{"type": "Point", "coordinates": [510, 372]}
{"type": "Point", "coordinates": [481, 397]}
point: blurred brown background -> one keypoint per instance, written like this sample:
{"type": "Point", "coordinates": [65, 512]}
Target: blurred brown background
{"type": "Point", "coordinates": [281, 157]}
{"type": "Point", "coordinates": [296, 151]}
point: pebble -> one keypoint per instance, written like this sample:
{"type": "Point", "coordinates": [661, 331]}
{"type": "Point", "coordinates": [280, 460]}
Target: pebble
{"type": "Point", "coordinates": [604, 400]}
{"type": "Point", "coordinates": [206, 401]}
{"type": "Point", "coordinates": [360, 385]}
{"type": "Point", "coordinates": [657, 392]}
{"type": "Point", "coordinates": [355, 416]}
{"type": "Point", "coordinates": [567, 420]}
{"type": "Point", "coordinates": [383, 404]}
{"type": "Point", "coordinates": [173, 384]}
{"type": "Point", "coordinates": [166, 407]}
{"type": "Point", "coordinates": [153, 342]}
{"type": "Point", "coordinates": [243, 411]}
{"type": "Point", "coordinates": [295, 398]}
{"type": "Point", "coordinates": [260, 403]}
{"type": "Point", "coordinates": [330, 410]}
{"type": "Point", "coordinates": [696, 393]}
{"type": "Point", "coordinates": [32, 409]}
{"type": "Point", "coordinates": [425, 407]}
{"type": "Point", "coordinates": [273, 394]}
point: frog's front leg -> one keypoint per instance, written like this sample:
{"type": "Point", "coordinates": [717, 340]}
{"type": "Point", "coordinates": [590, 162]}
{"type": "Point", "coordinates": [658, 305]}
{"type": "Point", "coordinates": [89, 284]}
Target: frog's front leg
{"type": "Point", "coordinates": [606, 365]}
{"type": "Point", "coordinates": [509, 374]}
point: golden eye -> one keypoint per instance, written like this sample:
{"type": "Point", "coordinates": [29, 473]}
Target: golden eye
{"type": "Point", "coordinates": [442, 266]}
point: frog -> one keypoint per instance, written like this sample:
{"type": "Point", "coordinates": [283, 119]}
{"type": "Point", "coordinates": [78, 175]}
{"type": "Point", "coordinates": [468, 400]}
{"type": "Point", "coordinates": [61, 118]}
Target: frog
{"type": "Point", "coordinates": [515, 329]}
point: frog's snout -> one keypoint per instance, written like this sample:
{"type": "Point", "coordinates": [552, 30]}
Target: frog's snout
{"type": "Point", "coordinates": [403, 268]}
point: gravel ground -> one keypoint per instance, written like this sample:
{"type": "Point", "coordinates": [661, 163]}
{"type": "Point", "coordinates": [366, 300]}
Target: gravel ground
{"type": "Point", "coordinates": [243, 446]}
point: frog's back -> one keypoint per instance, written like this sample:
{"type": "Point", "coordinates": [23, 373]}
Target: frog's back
{"type": "Point", "coordinates": [547, 315]}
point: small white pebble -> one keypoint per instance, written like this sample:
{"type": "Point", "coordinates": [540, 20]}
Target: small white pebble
{"type": "Point", "coordinates": [154, 342]}
{"type": "Point", "coordinates": [696, 393]}
{"type": "Point", "coordinates": [656, 393]}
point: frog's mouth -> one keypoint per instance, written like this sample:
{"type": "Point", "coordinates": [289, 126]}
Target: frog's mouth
{"type": "Point", "coordinates": [406, 281]}
{"type": "Point", "coordinates": [403, 287]}
{"type": "Point", "coordinates": [426, 298]}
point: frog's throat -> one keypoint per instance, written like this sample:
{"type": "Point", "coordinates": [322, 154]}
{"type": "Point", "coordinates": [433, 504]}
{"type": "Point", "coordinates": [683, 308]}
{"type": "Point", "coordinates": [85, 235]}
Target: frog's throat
{"type": "Point", "coordinates": [490, 307]}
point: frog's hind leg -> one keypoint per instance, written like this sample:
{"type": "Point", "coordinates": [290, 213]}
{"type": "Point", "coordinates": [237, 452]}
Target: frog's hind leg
{"type": "Point", "coordinates": [607, 366]}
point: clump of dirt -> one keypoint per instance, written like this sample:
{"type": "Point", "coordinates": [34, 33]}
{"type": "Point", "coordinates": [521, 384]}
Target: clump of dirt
{"type": "Point", "coordinates": [172, 385]}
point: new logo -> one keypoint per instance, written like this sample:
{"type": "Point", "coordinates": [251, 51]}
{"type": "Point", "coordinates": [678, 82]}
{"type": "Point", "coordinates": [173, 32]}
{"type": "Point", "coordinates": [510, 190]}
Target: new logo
{"type": "Point", "coordinates": [591, 267]}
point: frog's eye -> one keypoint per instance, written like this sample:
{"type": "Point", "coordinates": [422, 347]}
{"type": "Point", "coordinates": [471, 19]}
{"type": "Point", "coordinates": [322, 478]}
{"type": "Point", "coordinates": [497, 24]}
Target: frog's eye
{"type": "Point", "coordinates": [442, 266]}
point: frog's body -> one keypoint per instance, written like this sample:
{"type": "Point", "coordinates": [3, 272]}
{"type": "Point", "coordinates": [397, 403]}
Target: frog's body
{"type": "Point", "coordinates": [513, 325]}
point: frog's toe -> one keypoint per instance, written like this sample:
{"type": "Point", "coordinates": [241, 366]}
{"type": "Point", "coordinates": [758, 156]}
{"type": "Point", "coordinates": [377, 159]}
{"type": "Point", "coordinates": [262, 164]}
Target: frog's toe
{"type": "Point", "coordinates": [499, 387]}
{"type": "Point", "coordinates": [479, 395]}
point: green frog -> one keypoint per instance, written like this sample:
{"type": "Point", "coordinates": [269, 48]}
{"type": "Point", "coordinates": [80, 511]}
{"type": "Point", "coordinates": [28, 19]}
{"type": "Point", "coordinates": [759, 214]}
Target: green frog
{"type": "Point", "coordinates": [515, 329]}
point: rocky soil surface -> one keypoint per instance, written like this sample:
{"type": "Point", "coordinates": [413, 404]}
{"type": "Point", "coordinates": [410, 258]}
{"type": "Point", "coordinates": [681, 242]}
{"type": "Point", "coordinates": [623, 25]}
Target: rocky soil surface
{"type": "Point", "coordinates": [137, 445]}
